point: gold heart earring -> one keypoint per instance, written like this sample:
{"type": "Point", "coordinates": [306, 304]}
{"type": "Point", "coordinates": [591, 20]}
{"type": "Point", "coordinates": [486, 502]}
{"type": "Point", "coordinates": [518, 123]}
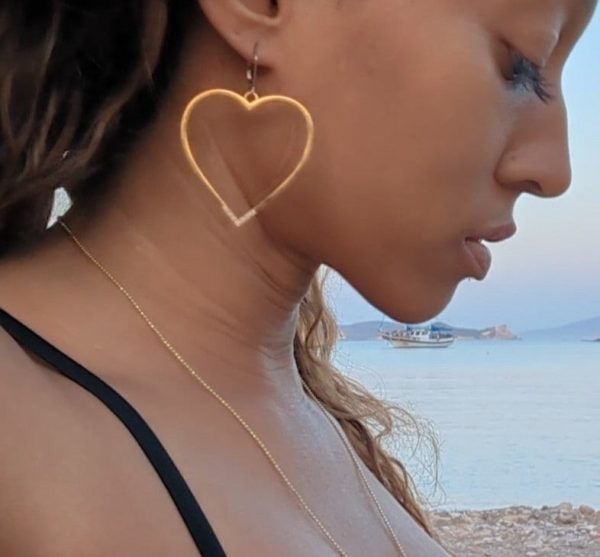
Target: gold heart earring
{"type": "Point", "coordinates": [250, 101]}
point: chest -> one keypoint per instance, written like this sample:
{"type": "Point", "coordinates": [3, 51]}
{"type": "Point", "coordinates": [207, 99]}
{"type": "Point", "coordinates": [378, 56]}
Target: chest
{"type": "Point", "coordinates": [80, 484]}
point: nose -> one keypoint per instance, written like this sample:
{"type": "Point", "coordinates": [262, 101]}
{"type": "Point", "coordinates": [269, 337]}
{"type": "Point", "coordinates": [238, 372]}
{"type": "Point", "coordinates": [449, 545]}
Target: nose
{"type": "Point", "coordinates": [537, 159]}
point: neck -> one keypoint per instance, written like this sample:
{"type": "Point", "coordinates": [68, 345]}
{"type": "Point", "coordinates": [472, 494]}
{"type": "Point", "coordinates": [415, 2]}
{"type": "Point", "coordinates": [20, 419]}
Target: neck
{"type": "Point", "coordinates": [226, 297]}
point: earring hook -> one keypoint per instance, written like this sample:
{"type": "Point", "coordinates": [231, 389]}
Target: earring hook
{"type": "Point", "coordinates": [251, 75]}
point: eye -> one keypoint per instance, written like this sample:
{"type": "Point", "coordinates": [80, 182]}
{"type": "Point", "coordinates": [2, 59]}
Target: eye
{"type": "Point", "coordinates": [527, 75]}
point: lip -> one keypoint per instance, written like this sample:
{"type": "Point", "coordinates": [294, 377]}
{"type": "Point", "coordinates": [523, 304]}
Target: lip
{"type": "Point", "coordinates": [478, 256]}
{"type": "Point", "coordinates": [494, 234]}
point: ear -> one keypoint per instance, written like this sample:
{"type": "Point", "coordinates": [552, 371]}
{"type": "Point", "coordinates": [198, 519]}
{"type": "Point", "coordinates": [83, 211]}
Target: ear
{"type": "Point", "coordinates": [243, 23]}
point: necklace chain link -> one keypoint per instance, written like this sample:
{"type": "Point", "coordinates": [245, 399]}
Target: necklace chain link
{"type": "Point", "coordinates": [243, 422]}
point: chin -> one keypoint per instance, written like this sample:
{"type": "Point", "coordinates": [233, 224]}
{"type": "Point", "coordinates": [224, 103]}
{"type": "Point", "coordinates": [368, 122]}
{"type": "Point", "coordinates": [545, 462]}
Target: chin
{"type": "Point", "coordinates": [417, 308]}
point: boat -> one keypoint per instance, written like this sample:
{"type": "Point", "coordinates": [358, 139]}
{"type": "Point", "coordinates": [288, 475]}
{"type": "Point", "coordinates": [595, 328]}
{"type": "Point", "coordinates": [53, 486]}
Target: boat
{"type": "Point", "coordinates": [418, 337]}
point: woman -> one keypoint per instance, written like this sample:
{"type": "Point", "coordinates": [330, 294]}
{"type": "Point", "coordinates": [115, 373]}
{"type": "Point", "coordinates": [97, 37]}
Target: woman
{"type": "Point", "coordinates": [407, 132]}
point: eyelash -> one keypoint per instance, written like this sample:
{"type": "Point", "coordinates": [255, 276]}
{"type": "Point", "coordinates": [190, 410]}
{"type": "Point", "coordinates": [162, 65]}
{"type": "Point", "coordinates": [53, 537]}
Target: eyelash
{"type": "Point", "coordinates": [528, 75]}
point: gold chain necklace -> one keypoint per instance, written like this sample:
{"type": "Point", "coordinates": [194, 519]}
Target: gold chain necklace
{"type": "Point", "coordinates": [244, 424]}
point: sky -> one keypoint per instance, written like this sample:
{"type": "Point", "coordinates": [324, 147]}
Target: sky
{"type": "Point", "coordinates": [549, 273]}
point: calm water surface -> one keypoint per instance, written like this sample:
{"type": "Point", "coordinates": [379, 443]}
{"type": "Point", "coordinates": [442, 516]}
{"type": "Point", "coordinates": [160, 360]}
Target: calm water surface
{"type": "Point", "coordinates": [518, 422]}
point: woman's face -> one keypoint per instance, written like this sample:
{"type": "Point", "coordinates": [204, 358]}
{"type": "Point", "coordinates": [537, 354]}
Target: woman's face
{"type": "Point", "coordinates": [430, 121]}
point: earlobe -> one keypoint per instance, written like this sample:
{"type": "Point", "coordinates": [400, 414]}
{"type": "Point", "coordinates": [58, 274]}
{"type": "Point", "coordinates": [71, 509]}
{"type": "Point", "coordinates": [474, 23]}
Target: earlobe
{"type": "Point", "coordinates": [243, 23]}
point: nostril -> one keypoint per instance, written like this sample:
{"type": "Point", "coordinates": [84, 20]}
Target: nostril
{"type": "Point", "coordinates": [533, 187]}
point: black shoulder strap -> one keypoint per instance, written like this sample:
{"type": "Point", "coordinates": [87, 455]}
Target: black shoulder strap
{"type": "Point", "coordinates": [193, 516]}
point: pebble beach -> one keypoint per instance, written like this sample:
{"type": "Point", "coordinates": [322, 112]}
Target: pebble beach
{"type": "Point", "coordinates": [520, 531]}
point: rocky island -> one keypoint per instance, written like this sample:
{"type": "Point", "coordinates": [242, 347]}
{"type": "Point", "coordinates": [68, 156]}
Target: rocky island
{"type": "Point", "coordinates": [497, 332]}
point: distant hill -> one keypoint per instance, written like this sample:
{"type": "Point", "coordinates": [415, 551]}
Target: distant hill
{"type": "Point", "coordinates": [588, 329]}
{"type": "Point", "coordinates": [368, 330]}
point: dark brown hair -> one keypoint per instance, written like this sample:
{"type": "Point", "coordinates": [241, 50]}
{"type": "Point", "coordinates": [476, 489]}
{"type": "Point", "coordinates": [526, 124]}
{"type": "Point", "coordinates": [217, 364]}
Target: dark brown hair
{"type": "Point", "coordinates": [76, 90]}
{"type": "Point", "coordinates": [74, 80]}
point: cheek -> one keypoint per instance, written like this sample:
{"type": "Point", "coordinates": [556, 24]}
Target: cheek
{"type": "Point", "coordinates": [409, 144]}
{"type": "Point", "coordinates": [419, 132]}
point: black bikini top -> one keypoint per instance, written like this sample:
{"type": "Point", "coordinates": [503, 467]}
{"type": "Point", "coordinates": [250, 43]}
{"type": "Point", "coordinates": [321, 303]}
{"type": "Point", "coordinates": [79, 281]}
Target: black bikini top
{"type": "Point", "coordinates": [199, 528]}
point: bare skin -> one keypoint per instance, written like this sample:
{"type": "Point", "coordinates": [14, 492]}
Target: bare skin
{"type": "Point", "coordinates": [418, 146]}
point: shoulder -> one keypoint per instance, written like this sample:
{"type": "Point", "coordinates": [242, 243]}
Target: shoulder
{"type": "Point", "coordinates": [22, 386]}
{"type": "Point", "coordinates": [15, 366]}
{"type": "Point", "coordinates": [22, 391]}
{"type": "Point", "coordinates": [21, 297]}
{"type": "Point", "coordinates": [15, 377]}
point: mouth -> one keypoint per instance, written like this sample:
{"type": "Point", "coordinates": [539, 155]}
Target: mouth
{"type": "Point", "coordinates": [478, 254]}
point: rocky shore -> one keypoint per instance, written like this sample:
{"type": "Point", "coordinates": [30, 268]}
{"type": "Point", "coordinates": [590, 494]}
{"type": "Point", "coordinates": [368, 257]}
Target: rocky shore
{"type": "Point", "coordinates": [559, 531]}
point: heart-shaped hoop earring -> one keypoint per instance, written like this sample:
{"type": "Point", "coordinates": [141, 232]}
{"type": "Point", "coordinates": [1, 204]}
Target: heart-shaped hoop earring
{"type": "Point", "coordinates": [250, 101]}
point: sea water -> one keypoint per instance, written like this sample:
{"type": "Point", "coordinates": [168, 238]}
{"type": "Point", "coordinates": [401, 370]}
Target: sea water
{"type": "Point", "coordinates": [518, 422]}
